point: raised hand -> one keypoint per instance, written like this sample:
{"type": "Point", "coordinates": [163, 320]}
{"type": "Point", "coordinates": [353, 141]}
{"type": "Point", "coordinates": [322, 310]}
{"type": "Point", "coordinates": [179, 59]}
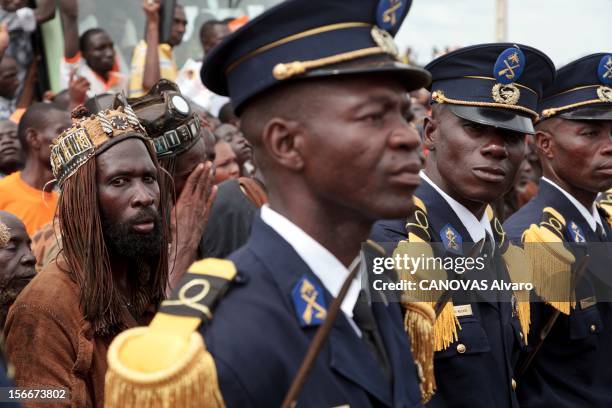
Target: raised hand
{"type": "Point", "coordinates": [188, 220]}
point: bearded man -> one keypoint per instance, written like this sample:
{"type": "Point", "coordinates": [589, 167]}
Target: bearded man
{"type": "Point", "coordinates": [112, 270]}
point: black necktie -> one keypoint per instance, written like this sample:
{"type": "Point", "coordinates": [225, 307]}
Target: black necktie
{"type": "Point", "coordinates": [364, 318]}
{"type": "Point", "coordinates": [600, 232]}
{"type": "Point", "coordinates": [488, 245]}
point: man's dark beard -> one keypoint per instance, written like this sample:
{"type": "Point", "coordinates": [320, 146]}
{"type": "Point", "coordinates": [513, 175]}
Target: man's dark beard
{"type": "Point", "coordinates": [122, 240]}
{"type": "Point", "coordinates": [8, 294]}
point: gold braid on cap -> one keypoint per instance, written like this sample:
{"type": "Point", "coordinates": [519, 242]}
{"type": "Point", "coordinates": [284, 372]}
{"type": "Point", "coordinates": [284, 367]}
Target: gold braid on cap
{"type": "Point", "coordinates": [89, 132]}
{"type": "Point", "coordinates": [5, 235]}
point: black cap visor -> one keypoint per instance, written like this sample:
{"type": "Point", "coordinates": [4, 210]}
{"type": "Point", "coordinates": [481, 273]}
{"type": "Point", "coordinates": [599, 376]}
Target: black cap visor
{"type": "Point", "coordinates": [597, 112]}
{"type": "Point", "coordinates": [496, 117]}
{"type": "Point", "coordinates": [412, 77]}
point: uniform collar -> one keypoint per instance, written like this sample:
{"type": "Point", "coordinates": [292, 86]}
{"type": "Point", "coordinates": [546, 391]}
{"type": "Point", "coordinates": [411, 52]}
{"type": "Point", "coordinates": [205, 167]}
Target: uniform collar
{"type": "Point", "coordinates": [592, 218]}
{"type": "Point", "coordinates": [330, 271]}
{"type": "Point", "coordinates": [476, 228]}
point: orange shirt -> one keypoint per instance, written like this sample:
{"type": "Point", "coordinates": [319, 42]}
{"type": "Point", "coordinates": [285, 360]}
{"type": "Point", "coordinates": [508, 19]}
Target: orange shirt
{"type": "Point", "coordinates": [32, 206]}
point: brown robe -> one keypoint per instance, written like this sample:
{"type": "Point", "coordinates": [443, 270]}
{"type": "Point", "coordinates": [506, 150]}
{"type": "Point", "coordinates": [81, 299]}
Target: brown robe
{"type": "Point", "coordinates": [50, 343]}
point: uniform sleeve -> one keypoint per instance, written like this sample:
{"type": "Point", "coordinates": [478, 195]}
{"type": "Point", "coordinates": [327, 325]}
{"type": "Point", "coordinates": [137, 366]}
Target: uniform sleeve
{"type": "Point", "coordinates": [42, 352]}
{"type": "Point", "coordinates": [232, 389]}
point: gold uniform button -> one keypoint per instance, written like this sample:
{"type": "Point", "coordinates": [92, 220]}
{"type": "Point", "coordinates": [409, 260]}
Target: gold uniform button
{"type": "Point", "coordinates": [593, 328]}
{"type": "Point", "coordinates": [513, 384]}
{"type": "Point", "coordinates": [461, 348]}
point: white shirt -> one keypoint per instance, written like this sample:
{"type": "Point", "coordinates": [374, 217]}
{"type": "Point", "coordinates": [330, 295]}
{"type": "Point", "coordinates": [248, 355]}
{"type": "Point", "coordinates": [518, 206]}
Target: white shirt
{"type": "Point", "coordinates": [191, 86]}
{"type": "Point", "coordinates": [592, 217]}
{"type": "Point", "coordinates": [116, 83]}
{"type": "Point", "coordinates": [474, 227]}
{"type": "Point", "coordinates": [330, 271]}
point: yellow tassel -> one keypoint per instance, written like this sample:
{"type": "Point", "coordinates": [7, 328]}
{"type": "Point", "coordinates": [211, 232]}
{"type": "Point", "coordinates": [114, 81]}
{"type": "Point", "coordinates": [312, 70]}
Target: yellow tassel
{"type": "Point", "coordinates": [519, 270]}
{"type": "Point", "coordinates": [524, 316]}
{"type": "Point", "coordinates": [551, 264]}
{"type": "Point", "coordinates": [427, 333]}
{"type": "Point", "coordinates": [419, 324]}
{"type": "Point", "coordinates": [189, 381]}
{"type": "Point", "coordinates": [445, 329]}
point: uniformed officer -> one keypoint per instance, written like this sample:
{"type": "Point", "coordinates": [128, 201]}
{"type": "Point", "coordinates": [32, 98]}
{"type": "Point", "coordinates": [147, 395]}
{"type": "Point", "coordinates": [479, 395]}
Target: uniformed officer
{"type": "Point", "coordinates": [321, 93]}
{"type": "Point", "coordinates": [574, 139]}
{"type": "Point", "coordinates": [484, 100]}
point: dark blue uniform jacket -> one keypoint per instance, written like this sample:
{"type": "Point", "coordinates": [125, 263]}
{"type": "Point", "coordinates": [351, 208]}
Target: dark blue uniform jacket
{"type": "Point", "coordinates": [481, 376]}
{"type": "Point", "coordinates": [573, 367]}
{"type": "Point", "coordinates": [258, 344]}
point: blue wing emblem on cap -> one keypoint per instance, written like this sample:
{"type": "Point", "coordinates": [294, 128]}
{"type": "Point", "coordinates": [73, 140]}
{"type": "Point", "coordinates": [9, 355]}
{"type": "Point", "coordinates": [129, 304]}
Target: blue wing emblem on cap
{"type": "Point", "coordinates": [604, 70]}
{"type": "Point", "coordinates": [509, 65]}
{"type": "Point", "coordinates": [309, 301]}
{"type": "Point", "coordinates": [390, 13]}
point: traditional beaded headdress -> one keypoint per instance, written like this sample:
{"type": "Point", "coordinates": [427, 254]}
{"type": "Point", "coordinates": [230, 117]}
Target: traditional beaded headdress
{"type": "Point", "coordinates": [91, 134]}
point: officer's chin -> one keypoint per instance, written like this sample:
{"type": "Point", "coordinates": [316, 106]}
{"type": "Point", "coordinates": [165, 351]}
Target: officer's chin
{"type": "Point", "coordinates": [483, 194]}
{"type": "Point", "coordinates": [396, 207]}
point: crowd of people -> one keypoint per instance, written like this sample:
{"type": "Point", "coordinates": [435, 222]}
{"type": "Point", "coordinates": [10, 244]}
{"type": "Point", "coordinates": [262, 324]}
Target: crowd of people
{"type": "Point", "coordinates": [201, 236]}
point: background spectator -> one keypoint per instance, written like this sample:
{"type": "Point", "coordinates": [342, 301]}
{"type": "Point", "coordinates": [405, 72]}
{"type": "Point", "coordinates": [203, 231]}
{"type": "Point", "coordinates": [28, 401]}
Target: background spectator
{"type": "Point", "coordinates": [16, 261]}
{"type": "Point", "coordinates": [9, 83]}
{"type": "Point", "coordinates": [152, 60]}
{"type": "Point", "coordinates": [240, 146]}
{"type": "Point", "coordinates": [226, 164]}
{"type": "Point", "coordinates": [212, 33]}
{"type": "Point", "coordinates": [22, 193]}
{"type": "Point", "coordinates": [227, 115]}
{"type": "Point", "coordinates": [11, 156]}
{"type": "Point", "coordinates": [89, 61]}
{"type": "Point", "coordinates": [21, 22]}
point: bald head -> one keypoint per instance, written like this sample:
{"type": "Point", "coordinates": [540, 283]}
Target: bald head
{"type": "Point", "coordinates": [9, 224]}
{"type": "Point", "coordinates": [14, 244]}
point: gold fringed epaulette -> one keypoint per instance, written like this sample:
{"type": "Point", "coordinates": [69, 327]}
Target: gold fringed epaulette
{"type": "Point", "coordinates": [427, 332]}
{"type": "Point", "coordinates": [166, 364]}
{"type": "Point", "coordinates": [419, 323]}
{"type": "Point", "coordinates": [550, 261]}
{"type": "Point", "coordinates": [519, 270]}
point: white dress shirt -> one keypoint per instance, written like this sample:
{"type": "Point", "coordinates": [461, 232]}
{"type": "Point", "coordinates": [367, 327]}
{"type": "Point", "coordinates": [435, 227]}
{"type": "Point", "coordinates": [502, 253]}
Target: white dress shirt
{"type": "Point", "coordinates": [593, 218]}
{"type": "Point", "coordinates": [330, 271]}
{"type": "Point", "coordinates": [477, 229]}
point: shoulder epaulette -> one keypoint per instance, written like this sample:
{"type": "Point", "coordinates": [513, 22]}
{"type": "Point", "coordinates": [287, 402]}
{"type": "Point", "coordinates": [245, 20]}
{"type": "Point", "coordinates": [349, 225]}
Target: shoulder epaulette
{"type": "Point", "coordinates": [605, 205]}
{"type": "Point", "coordinates": [428, 332]}
{"type": "Point", "coordinates": [167, 360]}
{"type": "Point", "coordinates": [519, 270]}
{"type": "Point", "coordinates": [550, 260]}
{"type": "Point", "coordinates": [199, 291]}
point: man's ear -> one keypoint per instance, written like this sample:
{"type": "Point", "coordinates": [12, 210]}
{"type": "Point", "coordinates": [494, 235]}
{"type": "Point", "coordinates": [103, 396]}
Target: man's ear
{"type": "Point", "coordinates": [430, 134]}
{"type": "Point", "coordinates": [545, 143]}
{"type": "Point", "coordinates": [283, 141]}
{"type": "Point", "coordinates": [32, 139]}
